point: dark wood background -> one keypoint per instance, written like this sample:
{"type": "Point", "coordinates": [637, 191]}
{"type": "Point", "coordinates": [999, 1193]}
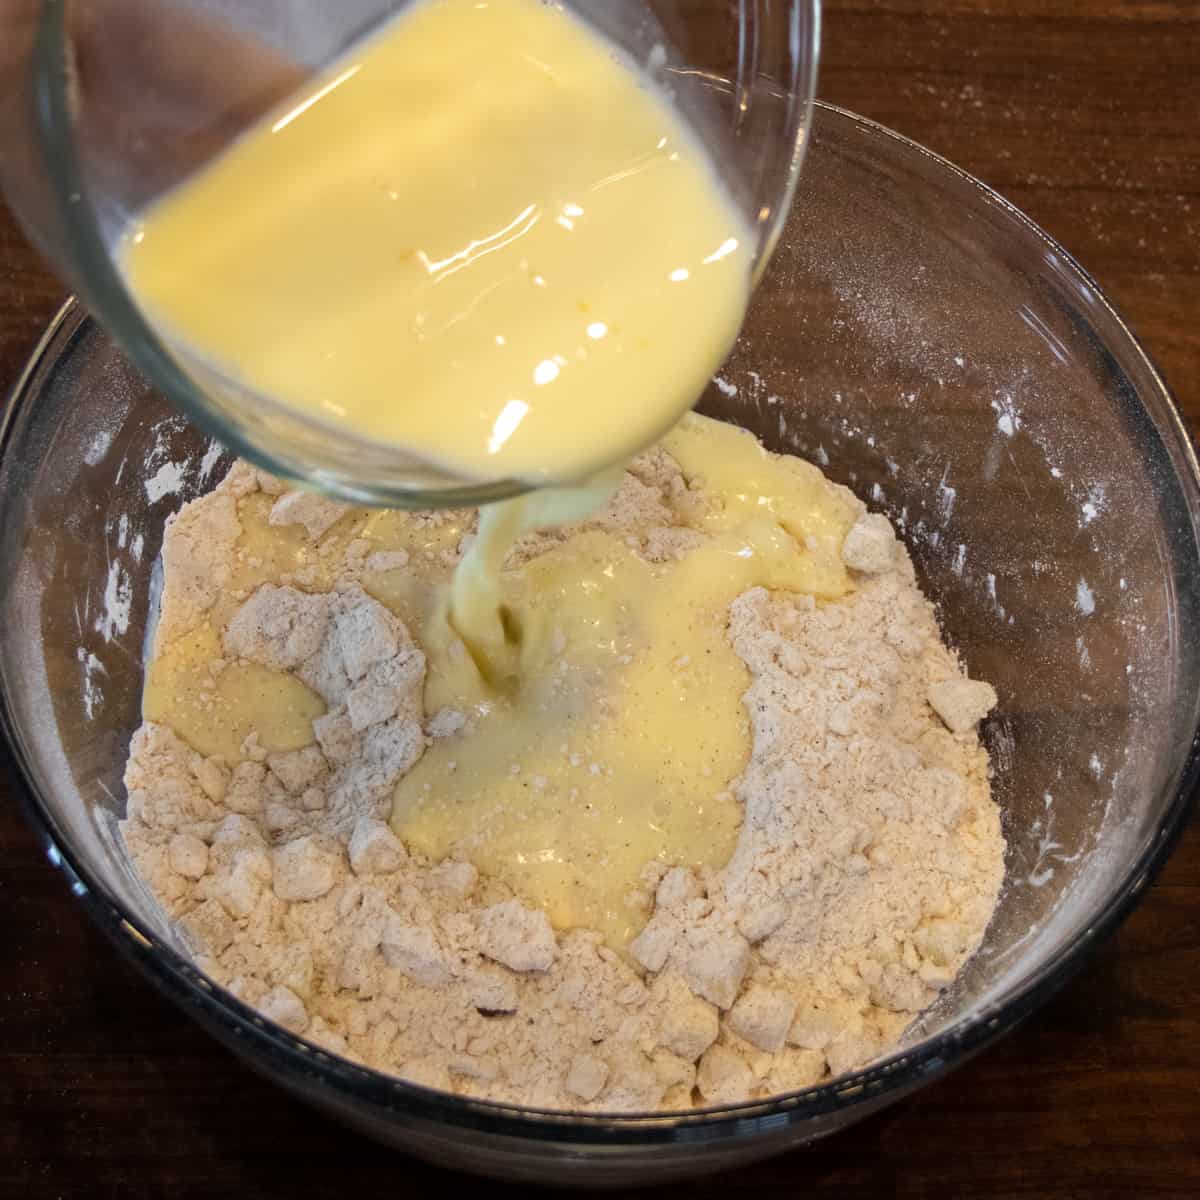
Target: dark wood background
{"type": "Point", "coordinates": [1083, 113]}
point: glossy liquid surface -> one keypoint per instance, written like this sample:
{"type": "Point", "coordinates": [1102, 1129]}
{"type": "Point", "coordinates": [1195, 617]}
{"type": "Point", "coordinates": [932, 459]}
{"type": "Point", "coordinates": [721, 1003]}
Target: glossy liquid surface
{"type": "Point", "coordinates": [482, 235]}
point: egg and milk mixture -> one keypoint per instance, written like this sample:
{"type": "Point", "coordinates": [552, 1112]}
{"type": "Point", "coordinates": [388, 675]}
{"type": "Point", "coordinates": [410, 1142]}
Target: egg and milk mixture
{"type": "Point", "coordinates": [486, 237]}
{"type": "Point", "coordinates": [483, 236]}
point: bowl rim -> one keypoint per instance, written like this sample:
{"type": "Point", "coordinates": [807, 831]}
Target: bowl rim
{"type": "Point", "coordinates": [306, 1064]}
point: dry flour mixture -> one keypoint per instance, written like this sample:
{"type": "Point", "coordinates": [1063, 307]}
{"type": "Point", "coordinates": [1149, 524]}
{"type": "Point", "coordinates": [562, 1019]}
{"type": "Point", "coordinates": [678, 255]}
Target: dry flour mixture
{"type": "Point", "coordinates": [289, 701]}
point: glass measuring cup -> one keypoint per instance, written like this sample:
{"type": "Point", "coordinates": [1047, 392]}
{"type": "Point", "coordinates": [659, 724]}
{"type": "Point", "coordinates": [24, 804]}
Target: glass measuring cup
{"type": "Point", "coordinates": [106, 104]}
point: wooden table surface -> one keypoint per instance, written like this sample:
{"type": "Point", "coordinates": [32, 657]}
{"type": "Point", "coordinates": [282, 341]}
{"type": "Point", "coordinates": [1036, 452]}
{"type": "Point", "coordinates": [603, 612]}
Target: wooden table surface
{"type": "Point", "coordinates": [1082, 112]}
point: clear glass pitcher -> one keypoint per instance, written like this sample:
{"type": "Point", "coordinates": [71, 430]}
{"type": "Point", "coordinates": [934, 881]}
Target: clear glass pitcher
{"type": "Point", "coordinates": [106, 104]}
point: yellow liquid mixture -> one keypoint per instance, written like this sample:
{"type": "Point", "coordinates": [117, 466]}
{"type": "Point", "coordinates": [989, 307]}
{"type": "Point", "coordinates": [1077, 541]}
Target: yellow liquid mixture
{"type": "Point", "coordinates": [482, 235]}
{"type": "Point", "coordinates": [626, 730]}
{"type": "Point", "coordinates": [485, 237]}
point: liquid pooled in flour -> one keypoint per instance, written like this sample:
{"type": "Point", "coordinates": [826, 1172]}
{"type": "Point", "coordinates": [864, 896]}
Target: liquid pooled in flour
{"type": "Point", "coordinates": [484, 236]}
{"type": "Point", "coordinates": [626, 732]}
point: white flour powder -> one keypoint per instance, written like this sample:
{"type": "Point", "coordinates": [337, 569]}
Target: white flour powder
{"type": "Point", "coordinates": [867, 868]}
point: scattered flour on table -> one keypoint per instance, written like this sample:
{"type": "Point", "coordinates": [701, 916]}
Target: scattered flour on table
{"type": "Point", "coordinates": [867, 868]}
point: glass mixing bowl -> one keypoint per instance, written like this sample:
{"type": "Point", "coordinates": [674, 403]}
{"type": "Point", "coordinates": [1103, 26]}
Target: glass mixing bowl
{"type": "Point", "coordinates": [929, 347]}
{"type": "Point", "coordinates": [106, 104]}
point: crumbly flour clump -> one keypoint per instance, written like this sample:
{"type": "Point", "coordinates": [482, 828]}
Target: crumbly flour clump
{"type": "Point", "coordinates": [867, 868]}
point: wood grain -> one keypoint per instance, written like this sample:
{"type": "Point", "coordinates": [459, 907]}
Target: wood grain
{"type": "Point", "coordinates": [1082, 112]}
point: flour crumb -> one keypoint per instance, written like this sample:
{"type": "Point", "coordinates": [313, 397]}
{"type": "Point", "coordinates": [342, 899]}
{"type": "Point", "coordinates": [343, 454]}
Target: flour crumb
{"type": "Point", "coordinates": [762, 920]}
{"type": "Point", "coordinates": [714, 963]}
{"type": "Point", "coordinates": [724, 1077]}
{"type": "Point", "coordinates": [278, 627]}
{"type": "Point", "coordinates": [586, 1077]}
{"type": "Point", "coordinates": [198, 556]}
{"type": "Point", "coordinates": [652, 947]}
{"type": "Point", "coordinates": [414, 951]}
{"type": "Point", "coordinates": [305, 869]}
{"type": "Point", "coordinates": [678, 886]}
{"type": "Point", "coordinates": [374, 849]}
{"type": "Point", "coordinates": [688, 1025]}
{"type": "Point", "coordinates": [493, 993]}
{"type": "Point", "coordinates": [962, 703]}
{"type": "Point", "coordinates": [870, 546]}
{"type": "Point", "coordinates": [285, 1008]}
{"type": "Point", "coordinates": [763, 1016]}
{"type": "Point", "coordinates": [518, 937]}
{"type": "Point", "coordinates": [318, 514]}
{"type": "Point", "coordinates": [188, 855]}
